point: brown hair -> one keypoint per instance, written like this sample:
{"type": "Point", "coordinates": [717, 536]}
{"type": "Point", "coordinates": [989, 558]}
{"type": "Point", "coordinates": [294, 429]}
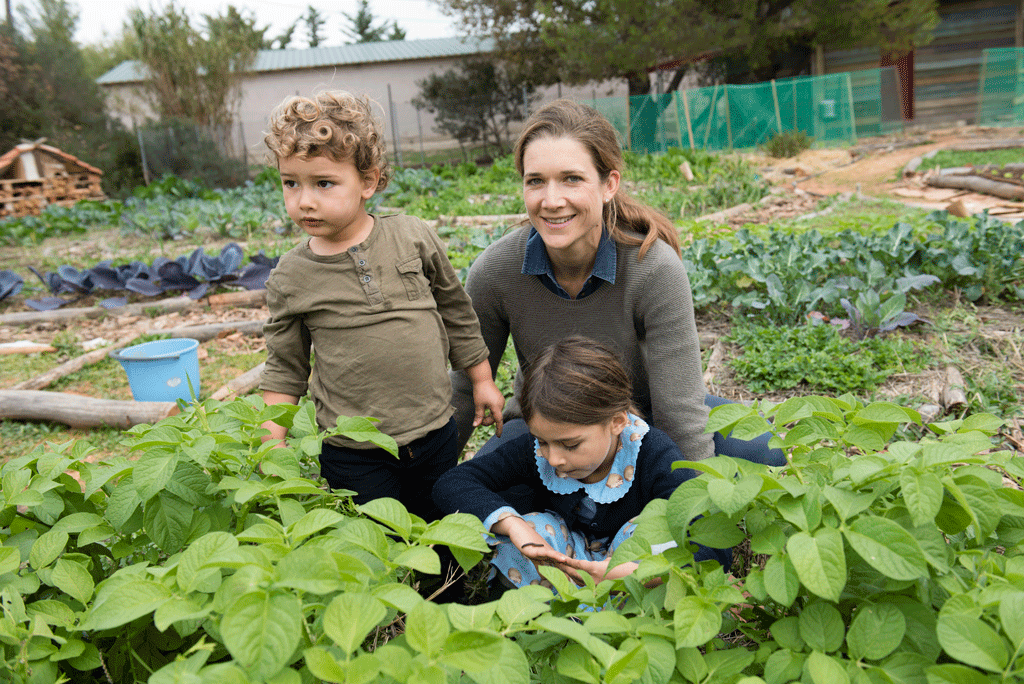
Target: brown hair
{"type": "Point", "coordinates": [334, 124]}
{"type": "Point", "coordinates": [577, 381]}
{"type": "Point", "coordinates": [568, 119]}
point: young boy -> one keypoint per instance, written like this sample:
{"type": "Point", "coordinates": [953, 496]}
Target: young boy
{"type": "Point", "coordinates": [378, 300]}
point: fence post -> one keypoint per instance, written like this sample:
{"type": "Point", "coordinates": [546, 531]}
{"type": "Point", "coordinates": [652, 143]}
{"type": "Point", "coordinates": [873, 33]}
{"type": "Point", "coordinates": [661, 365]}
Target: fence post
{"type": "Point", "coordinates": [245, 148]}
{"type": "Point", "coordinates": [419, 125]}
{"type": "Point", "coordinates": [778, 115]}
{"type": "Point", "coordinates": [394, 128]}
{"type": "Point", "coordinates": [728, 117]}
{"type": "Point", "coordinates": [853, 120]}
{"type": "Point", "coordinates": [711, 115]}
{"type": "Point", "coordinates": [981, 86]}
{"type": "Point", "coordinates": [142, 153]}
{"type": "Point", "coordinates": [686, 113]}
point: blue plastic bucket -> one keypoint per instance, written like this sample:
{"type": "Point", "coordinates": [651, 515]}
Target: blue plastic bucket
{"type": "Point", "coordinates": [161, 370]}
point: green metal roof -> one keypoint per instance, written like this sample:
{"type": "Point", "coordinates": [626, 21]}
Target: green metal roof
{"type": "Point", "coordinates": [335, 55]}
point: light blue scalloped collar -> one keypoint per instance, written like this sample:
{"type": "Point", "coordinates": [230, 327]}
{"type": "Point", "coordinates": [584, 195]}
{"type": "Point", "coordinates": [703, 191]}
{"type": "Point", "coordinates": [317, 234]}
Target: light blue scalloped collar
{"type": "Point", "coordinates": [619, 479]}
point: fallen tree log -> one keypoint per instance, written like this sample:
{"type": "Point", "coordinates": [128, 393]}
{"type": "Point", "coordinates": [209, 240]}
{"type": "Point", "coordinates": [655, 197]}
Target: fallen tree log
{"type": "Point", "coordinates": [81, 412]}
{"type": "Point", "coordinates": [211, 331]}
{"type": "Point", "coordinates": [977, 184]}
{"type": "Point", "coordinates": [244, 298]}
{"type": "Point", "coordinates": [31, 317]}
{"type": "Point", "coordinates": [75, 364]}
{"type": "Point", "coordinates": [243, 384]}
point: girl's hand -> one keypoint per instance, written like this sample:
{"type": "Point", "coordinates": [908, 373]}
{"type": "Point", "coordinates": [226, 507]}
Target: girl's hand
{"type": "Point", "coordinates": [599, 569]}
{"type": "Point", "coordinates": [533, 547]}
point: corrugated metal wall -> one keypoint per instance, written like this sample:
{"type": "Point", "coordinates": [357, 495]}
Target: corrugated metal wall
{"type": "Point", "coordinates": [946, 70]}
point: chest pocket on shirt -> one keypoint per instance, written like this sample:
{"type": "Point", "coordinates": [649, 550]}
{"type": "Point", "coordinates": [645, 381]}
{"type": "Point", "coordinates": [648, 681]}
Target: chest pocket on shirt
{"type": "Point", "coordinates": [416, 283]}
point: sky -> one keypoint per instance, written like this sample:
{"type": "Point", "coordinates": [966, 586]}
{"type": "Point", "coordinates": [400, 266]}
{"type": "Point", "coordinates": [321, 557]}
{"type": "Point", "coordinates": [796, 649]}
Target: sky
{"type": "Point", "coordinates": [101, 20]}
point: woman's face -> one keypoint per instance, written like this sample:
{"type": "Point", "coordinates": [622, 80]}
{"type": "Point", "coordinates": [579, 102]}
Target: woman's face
{"type": "Point", "coordinates": [564, 194]}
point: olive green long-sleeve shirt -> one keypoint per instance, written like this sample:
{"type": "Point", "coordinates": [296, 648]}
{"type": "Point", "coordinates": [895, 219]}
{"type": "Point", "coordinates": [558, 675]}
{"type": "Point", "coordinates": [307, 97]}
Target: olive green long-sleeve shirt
{"type": "Point", "coordinates": [385, 318]}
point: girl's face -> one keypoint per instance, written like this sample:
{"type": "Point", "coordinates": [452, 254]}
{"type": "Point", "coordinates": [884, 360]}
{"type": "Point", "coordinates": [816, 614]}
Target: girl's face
{"type": "Point", "coordinates": [564, 194]}
{"type": "Point", "coordinates": [582, 452]}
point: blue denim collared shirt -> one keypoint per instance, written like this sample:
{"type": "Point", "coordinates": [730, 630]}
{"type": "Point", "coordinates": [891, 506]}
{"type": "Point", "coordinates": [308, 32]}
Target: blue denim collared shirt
{"type": "Point", "coordinates": [536, 262]}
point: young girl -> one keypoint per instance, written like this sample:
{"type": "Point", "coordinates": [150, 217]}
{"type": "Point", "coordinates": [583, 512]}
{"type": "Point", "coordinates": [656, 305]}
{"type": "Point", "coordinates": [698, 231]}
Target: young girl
{"type": "Point", "coordinates": [590, 463]}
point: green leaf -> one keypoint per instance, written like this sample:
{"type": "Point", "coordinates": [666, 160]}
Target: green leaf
{"type": "Point", "coordinates": [876, 631]}
{"type": "Point", "coordinates": [10, 558]}
{"type": "Point", "coordinates": [363, 430]}
{"type": "Point", "coordinates": [207, 548]}
{"type": "Point", "coordinates": [472, 651]}
{"type": "Point", "coordinates": [389, 512]}
{"type": "Point", "coordinates": [314, 521]}
{"type": "Point", "coordinates": [781, 580]}
{"type": "Point", "coordinates": [576, 663]}
{"type": "Point", "coordinates": [178, 609]}
{"type": "Point", "coordinates": [783, 666]}
{"type": "Point", "coordinates": [474, 617]}
{"type": "Point", "coordinates": [73, 579]}
{"type": "Point", "coordinates": [167, 521]}
{"type": "Point", "coordinates": [629, 667]}
{"type": "Point", "coordinates": [885, 412]}
{"type": "Point", "coordinates": [732, 498]}
{"type": "Point", "coordinates": [604, 652]}
{"type": "Point", "coordinates": [118, 603]}
{"type": "Point", "coordinates": [52, 612]}
{"type": "Point", "coordinates": [847, 503]}
{"type": "Point", "coordinates": [261, 630]}
{"type": "Point", "coordinates": [724, 417]}
{"type": "Point", "coordinates": [821, 627]}
{"type": "Point", "coordinates": [820, 561]}
{"type": "Point", "coordinates": [524, 604]}
{"type": "Point", "coordinates": [1011, 614]}
{"type": "Point", "coordinates": [511, 667]}
{"type": "Point", "coordinates": [420, 558]}
{"type": "Point", "coordinates": [696, 621]}
{"type": "Point", "coordinates": [954, 674]}
{"type": "Point", "coordinates": [716, 531]}
{"type": "Point", "coordinates": [399, 596]}
{"type": "Point", "coordinates": [365, 534]}
{"type": "Point", "coordinates": [888, 548]}
{"type": "Point", "coordinates": [971, 641]}
{"type": "Point", "coordinates": [455, 534]}
{"type": "Point", "coordinates": [427, 629]}
{"type": "Point", "coordinates": [922, 494]}
{"type": "Point", "coordinates": [310, 570]}
{"type": "Point", "coordinates": [350, 617]}
{"type": "Point", "coordinates": [825, 669]}
{"type": "Point", "coordinates": [152, 472]}
{"type": "Point", "coordinates": [786, 632]}
{"type": "Point", "coordinates": [323, 665]}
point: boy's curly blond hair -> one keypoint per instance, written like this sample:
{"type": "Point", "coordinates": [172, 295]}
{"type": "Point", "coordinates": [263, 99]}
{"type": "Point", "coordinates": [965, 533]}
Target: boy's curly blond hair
{"type": "Point", "coordinates": [335, 124]}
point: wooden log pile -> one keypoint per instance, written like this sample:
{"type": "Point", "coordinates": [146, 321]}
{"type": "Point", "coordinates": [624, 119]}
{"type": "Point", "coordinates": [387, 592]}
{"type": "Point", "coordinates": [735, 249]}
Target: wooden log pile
{"type": "Point", "coordinates": [30, 197]}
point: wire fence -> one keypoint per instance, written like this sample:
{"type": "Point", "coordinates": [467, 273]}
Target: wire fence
{"type": "Point", "coordinates": [832, 109]}
{"type": "Point", "coordinates": [1001, 87]}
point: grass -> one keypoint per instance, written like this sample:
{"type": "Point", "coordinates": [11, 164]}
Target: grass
{"type": "Point", "coordinates": [951, 158]}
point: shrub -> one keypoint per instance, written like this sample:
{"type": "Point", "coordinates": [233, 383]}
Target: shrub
{"type": "Point", "coordinates": [786, 144]}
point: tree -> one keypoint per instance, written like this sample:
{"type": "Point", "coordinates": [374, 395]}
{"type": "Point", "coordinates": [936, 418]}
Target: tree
{"type": "Point", "coordinates": [548, 41]}
{"type": "Point", "coordinates": [192, 74]}
{"type": "Point", "coordinates": [362, 29]}
{"type": "Point", "coordinates": [314, 23]}
{"type": "Point", "coordinates": [475, 103]}
{"type": "Point", "coordinates": [285, 38]}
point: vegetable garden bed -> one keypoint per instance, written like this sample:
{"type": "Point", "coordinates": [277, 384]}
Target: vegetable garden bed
{"type": "Point", "coordinates": [888, 550]}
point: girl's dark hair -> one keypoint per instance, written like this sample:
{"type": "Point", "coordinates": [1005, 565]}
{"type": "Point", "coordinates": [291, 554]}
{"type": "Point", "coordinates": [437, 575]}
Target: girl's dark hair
{"type": "Point", "coordinates": [568, 119]}
{"type": "Point", "coordinates": [577, 381]}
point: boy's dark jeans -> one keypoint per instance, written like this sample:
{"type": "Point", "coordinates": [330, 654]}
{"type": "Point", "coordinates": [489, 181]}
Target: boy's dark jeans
{"type": "Point", "coordinates": [410, 478]}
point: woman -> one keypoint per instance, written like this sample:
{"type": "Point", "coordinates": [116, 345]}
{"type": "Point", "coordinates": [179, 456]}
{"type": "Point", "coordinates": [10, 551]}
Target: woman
{"type": "Point", "coordinates": [597, 263]}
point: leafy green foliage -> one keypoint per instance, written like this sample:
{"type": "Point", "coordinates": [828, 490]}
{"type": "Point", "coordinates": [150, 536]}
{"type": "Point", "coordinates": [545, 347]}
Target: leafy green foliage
{"type": "Point", "coordinates": [784, 276]}
{"type": "Point", "coordinates": [951, 158]}
{"type": "Point", "coordinates": [817, 358]}
{"type": "Point", "coordinates": [788, 143]}
{"type": "Point", "coordinates": [211, 558]}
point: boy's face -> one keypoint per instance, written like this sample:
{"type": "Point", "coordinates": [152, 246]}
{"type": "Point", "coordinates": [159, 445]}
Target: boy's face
{"type": "Point", "coordinates": [327, 198]}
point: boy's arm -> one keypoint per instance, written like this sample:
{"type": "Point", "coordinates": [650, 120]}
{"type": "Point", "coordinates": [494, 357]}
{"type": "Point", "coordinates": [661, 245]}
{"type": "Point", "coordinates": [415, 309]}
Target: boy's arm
{"type": "Point", "coordinates": [486, 396]}
{"type": "Point", "coordinates": [276, 431]}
